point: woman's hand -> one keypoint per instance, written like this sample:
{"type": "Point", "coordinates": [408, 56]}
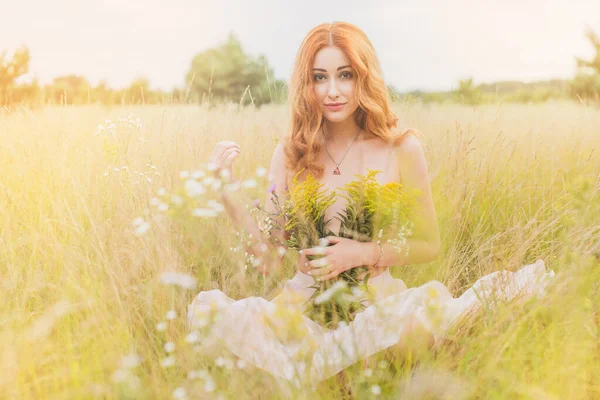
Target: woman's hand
{"type": "Point", "coordinates": [343, 255]}
{"type": "Point", "coordinates": [223, 155]}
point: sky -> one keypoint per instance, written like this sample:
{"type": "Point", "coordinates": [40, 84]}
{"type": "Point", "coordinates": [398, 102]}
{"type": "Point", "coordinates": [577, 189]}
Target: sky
{"type": "Point", "coordinates": [425, 44]}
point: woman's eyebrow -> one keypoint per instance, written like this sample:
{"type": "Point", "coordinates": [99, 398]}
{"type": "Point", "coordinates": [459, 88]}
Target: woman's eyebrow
{"type": "Point", "coordinates": [324, 70]}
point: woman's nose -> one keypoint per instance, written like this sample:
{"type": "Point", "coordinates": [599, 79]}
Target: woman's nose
{"type": "Point", "coordinates": [333, 91]}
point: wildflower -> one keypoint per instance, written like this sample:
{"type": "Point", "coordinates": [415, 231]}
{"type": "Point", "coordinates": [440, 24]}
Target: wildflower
{"type": "Point", "coordinates": [217, 185]}
{"type": "Point", "coordinates": [138, 221]}
{"type": "Point", "coordinates": [272, 188]}
{"type": "Point", "coordinates": [376, 390]}
{"type": "Point", "coordinates": [192, 337]}
{"type": "Point", "coordinates": [169, 347]}
{"type": "Point", "coordinates": [368, 372]}
{"type": "Point", "coordinates": [225, 174]}
{"type": "Point", "coordinates": [141, 226]}
{"type": "Point", "coordinates": [179, 393]}
{"type": "Point", "coordinates": [194, 188]}
{"type": "Point", "coordinates": [130, 361]}
{"type": "Point", "coordinates": [256, 203]}
{"type": "Point", "coordinates": [208, 180]}
{"type": "Point", "coordinates": [161, 191]}
{"type": "Point", "coordinates": [198, 174]}
{"type": "Point", "coordinates": [192, 375]}
{"type": "Point", "coordinates": [261, 171]}
{"type": "Point", "coordinates": [211, 167]}
{"type": "Point", "coordinates": [177, 200]}
{"type": "Point", "coordinates": [204, 212]}
{"type": "Point", "coordinates": [249, 183]}
{"type": "Point", "coordinates": [241, 364]}
{"type": "Point", "coordinates": [179, 279]}
{"type": "Point", "coordinates": [161, 326]}
{"type": "Point", "coordinates": [319, 250]}
{"type": "Point", "coordinates": [120, 376]}
{"type": "Point", "coordinates": [224, 362]}
{"type": "Point", "coordinates": [99, 130]}
{"type": "Point", "coordinates": [328, 294]}
{"type": "Point", "coordinates": [163, 207]}
{"type": "Point", "coordinates": [216, 205]}
{"type": "Point", "coordinates": [171, 315]}
{"type": "Point", "coordinates": [281, 251]}
{"type": "Point", "coordinates": [168, 361]}
{"type": "Point", "coordinates": [232, 187]}
{"type": "Point", "coordinates": [184, 174]}
{"type": "Point", "coordinates": [209, 385]}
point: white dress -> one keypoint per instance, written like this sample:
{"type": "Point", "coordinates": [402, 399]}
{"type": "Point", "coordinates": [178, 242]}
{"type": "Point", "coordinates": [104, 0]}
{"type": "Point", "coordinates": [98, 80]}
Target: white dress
{"type": "Point", "coordinates": [276, 337]}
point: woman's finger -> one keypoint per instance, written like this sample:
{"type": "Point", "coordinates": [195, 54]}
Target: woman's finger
{"type": "Point", "coordinates": [316, 272]}
{"type": "Point", "coordinates": [232, 155]}
{"type": "Point", "coordinates": [224, 146]}
{"type": "Point", "coordinates": [333, 239]}
{"type": "Point", "coordinates": [318, 263]}
{"type": "Point", "coordinates": [303, 264]}
{"type": "Point", "coordinates": [316, 251]}
{"type": "Point", "coordinates": [330, 275]}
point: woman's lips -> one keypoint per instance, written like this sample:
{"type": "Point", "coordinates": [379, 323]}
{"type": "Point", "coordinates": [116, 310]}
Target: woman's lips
{"type": "Point", "coordinates": [335, 108]}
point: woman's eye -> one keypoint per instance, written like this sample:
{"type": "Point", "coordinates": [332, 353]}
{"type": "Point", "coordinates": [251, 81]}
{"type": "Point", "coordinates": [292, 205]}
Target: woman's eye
{"type": "Point", "coordinates": [347, 74]}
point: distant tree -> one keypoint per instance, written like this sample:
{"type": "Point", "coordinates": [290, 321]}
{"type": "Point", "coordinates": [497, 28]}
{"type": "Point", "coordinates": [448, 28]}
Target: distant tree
{"type": "Point", "coordinates": [586, 84]}
{"type": "Point", "coordinates": [227, 74]}
{"type": "Point", "coordinates": [69, 89]}
{"type": "Point", "coordinates": [138, 92]}
{"type": "Point", "coordinates": [103, 94]}
{"type": "Point", "coordinates": [467, 92]}
{"type": "Point", "coordinates": [594, 64]}
{"type": "Point", "coordinates": [10, 70]}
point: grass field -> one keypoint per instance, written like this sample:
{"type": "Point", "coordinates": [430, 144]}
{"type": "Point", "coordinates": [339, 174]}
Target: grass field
{"type": "Point", "coordinates": [84, 313]}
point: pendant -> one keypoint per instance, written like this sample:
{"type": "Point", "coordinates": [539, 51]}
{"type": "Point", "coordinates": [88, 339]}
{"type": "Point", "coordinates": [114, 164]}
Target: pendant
{"type": "Point", "coordinates": [337, 171]}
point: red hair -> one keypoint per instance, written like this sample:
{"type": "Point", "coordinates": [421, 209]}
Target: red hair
{"type": "Point", "coordinates": [373, 113]}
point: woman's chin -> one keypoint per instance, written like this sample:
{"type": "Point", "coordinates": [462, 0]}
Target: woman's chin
{"type": "Point", "coordinates": [336, 116]}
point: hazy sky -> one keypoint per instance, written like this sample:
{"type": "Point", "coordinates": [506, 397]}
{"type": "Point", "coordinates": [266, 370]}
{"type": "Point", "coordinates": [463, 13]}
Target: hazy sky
{"type": "Point", "coordinates": [427, 44]}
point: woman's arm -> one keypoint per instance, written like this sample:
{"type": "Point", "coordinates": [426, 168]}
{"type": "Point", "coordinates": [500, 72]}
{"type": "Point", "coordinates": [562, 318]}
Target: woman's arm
{"type": "Point", "coordinates": [242, 219]}
{"type": "Point", "coordinates": [424, 244]}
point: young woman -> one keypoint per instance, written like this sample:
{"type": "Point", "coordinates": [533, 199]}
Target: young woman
{"type": "Point", "coordinates": [342, 125]}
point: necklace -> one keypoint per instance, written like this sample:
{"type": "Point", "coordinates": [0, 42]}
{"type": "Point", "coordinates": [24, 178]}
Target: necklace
{"type": "Point", "coordinates": [336, 171]}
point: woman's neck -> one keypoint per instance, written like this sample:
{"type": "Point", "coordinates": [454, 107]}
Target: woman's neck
{"type": "Point", "coordinates": [342, 133]}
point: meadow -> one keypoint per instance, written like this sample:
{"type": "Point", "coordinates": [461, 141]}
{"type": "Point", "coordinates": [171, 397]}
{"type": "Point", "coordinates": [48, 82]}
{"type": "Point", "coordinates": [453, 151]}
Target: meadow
{"type": "Point", "coordinates": [88, 229]}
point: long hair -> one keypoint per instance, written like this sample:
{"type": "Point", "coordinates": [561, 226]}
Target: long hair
{"type": "Point", "coordinates": [373, 114]}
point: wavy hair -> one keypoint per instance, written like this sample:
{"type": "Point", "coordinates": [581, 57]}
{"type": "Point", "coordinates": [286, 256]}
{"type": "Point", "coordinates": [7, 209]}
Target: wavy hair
{"type": "Point", "coordinates": [373, 114]}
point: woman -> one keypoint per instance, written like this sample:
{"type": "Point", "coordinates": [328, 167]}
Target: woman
{"type": "Point", "coordinates": [342, 125]}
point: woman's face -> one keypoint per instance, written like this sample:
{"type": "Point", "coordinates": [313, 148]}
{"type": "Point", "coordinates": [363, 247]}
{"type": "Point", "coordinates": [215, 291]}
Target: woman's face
{"type": "Point", "coordinates": [333, 83]}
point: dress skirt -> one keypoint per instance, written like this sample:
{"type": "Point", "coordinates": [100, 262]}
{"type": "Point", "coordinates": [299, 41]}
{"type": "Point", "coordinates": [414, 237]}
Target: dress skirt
{"type": "Point", "coordinates": [276, 337]}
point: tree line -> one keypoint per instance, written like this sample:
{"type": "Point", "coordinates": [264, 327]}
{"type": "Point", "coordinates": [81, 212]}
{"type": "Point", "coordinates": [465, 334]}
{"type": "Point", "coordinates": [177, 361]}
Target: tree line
{"type": "Point", "coordinates": [226, 73]}
{"type": "Point", "coordinates": [221, 74]}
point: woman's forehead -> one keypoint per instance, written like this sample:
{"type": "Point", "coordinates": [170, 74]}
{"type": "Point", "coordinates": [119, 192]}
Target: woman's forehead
{"type": "Point", "coordinates": [330, 58]}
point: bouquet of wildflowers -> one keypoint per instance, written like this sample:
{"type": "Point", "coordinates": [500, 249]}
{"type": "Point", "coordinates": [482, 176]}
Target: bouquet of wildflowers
{"type": "Point", "coordinates": [372, 210]}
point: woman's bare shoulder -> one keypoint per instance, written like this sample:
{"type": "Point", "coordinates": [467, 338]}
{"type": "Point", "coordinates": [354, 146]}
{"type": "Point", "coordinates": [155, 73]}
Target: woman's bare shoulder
{"type": "Point", "coordinates": [411, 160]}
{"type": "Point", "coordinates": [409, 141]}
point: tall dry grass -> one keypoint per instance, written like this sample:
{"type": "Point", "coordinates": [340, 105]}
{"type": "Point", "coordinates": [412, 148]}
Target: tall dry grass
{"type": "Point", "coordinates": [511, 184]}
